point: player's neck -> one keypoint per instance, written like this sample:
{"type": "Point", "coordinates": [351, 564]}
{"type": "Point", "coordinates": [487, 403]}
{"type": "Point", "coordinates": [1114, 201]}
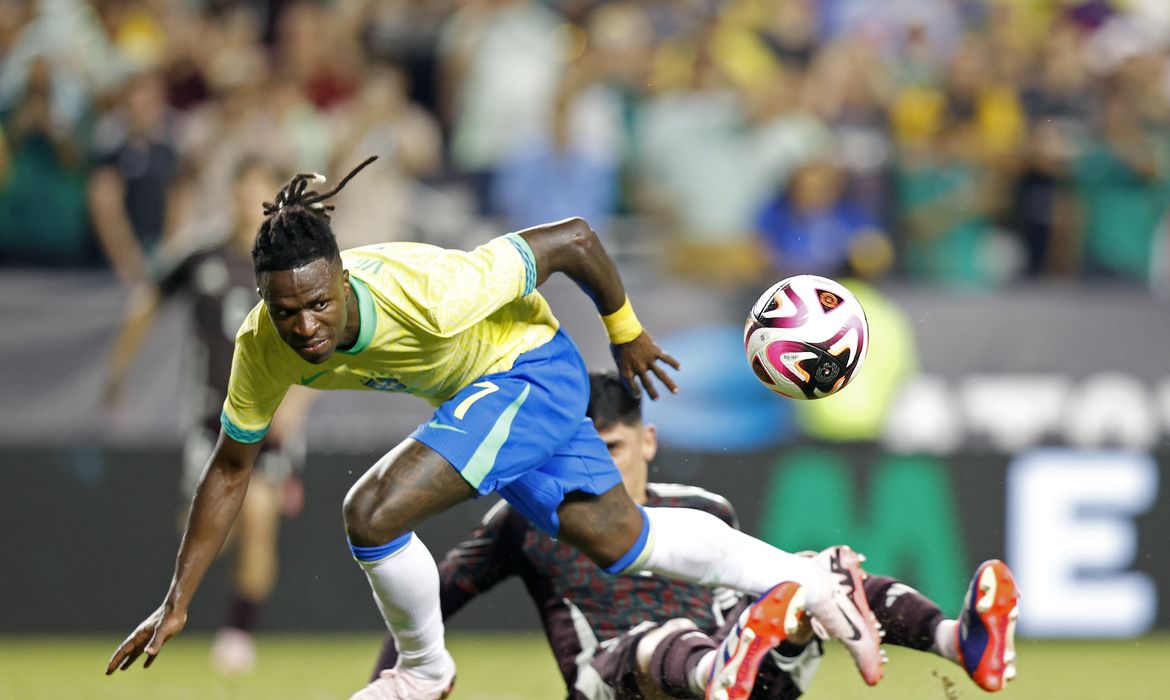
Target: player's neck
{"type": "Point", "coordinates": [353, 322]}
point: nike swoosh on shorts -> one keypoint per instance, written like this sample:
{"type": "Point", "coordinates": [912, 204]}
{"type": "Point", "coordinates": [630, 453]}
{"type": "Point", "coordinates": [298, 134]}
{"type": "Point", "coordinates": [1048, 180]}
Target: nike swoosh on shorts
{"type": "Point", "coordinates": [443, 426]}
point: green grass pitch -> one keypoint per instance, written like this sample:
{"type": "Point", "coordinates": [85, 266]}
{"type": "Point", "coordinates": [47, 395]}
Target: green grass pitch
{"type": "Point", "coordinates": [520, 667]}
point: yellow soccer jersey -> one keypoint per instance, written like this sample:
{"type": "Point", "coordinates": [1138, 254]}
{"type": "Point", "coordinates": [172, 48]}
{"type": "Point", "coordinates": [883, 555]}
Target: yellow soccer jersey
{"type": "Point", "coordinates": [432, 321]}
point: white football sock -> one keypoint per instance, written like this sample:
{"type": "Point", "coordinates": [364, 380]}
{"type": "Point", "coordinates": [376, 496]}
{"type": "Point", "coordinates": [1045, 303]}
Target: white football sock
{"type": "Point", "coordinates": [406, 589]}
{"type": "Point", "coordinates": [696, 546]}
{"type": "Point", "coordinates": [945, 643]}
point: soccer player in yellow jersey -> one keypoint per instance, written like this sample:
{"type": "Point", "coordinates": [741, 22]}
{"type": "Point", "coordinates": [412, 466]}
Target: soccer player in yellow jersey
{"type": "Point", "coordinates": [467, 332]}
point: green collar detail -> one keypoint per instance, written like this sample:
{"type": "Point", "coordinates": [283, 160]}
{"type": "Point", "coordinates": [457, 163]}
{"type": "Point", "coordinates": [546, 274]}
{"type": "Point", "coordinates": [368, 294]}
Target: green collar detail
{"type": "Point", "coordinates": [367, 316]}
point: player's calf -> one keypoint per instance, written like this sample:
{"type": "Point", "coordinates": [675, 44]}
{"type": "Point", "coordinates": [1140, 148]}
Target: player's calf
{"type": "Point", "coordinates": [986, 631]}
{"type": "Point", "coordinates": [761, 628]}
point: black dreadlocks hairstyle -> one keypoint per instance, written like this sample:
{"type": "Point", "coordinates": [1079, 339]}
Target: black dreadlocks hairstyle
{"type": "Point", "coordinates": [296, 229]}
{"type": "Point", "coordinates": [610, 401]}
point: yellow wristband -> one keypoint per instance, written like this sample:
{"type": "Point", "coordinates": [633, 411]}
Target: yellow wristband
{"type": "Point", "coordinates": [622, 325]}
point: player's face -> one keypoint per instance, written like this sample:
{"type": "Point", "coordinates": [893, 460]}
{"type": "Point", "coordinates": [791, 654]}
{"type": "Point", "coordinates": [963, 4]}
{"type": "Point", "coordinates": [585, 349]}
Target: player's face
{"type": "Point", "coordinates": [632, 447]}
{"type": "Point", "coordinates": [308, 307]}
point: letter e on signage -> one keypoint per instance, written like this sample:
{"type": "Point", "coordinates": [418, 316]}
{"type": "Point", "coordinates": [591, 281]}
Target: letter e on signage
{"type": "Point", "coordinates": [1072, 540]}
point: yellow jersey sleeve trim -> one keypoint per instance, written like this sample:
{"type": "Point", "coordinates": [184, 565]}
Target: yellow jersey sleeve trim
{"type": "Point", "coordinates": [367, 316]}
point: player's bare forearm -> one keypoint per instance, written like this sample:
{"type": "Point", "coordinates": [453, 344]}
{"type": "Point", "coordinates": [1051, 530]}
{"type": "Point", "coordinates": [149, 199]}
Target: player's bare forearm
{"type": "Point", "coordinates": [111, 222]}
{"type": "Point", "coordinates": [572, 247]}
{"type": "Point", "coordinates": [217, 501]}
{"type": "Point", "coordinates": [144, 303]}
{"type": "Point", "coordinates": [218, 498]}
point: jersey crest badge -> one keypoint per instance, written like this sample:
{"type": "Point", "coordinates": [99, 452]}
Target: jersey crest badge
{"type": "Point", "coordinates": [385, 384]}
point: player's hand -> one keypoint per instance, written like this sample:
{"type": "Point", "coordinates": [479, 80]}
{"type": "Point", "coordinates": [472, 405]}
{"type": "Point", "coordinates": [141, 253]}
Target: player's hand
{"type": "Point", "coordinates": [638, 358]}
{"type": "Point", "coordinates": [154, 631]}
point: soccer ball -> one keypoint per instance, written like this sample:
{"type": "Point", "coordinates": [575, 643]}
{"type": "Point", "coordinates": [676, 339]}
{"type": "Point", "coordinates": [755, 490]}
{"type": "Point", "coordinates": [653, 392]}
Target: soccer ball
{"type": "Point", "coordinates": [806, 337]}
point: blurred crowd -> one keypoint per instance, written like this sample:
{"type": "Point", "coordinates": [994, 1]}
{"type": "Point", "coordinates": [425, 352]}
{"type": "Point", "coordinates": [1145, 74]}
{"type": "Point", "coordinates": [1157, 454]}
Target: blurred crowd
{"type": "Point", "coordinates": [965, 143]}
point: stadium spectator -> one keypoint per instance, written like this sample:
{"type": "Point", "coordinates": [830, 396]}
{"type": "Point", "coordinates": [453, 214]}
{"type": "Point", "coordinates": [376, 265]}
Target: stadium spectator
{"type": "Point", "coordinates": [500, 65]}
{"type": "Point", "coordinates": [1060, 106]}
{"type": "Point", "coordinates": [1119, 177]}
{"type": "Point", "coordinates": [944, 209]}
{"type": "Point", "coordinates": [618, 55]}
{"type": "Point", "coordinates": [1041, 208]}
{"type": "Point", "coordinates": [184, 67]}
{"type": "Point", "coordinates": [850, 99]}
{"type": "Point", "coordinates": [715, 145]}
{"type": "Point", "coordinates": [319, 48]}
{"type": "Point", "coordinates": [13, 17]}
{"type": "Point", "coordinates": [558, 173]}
{"type": "Point", "coordinates": [42, 179]}
{"type": "Point", "coordinates": [383, 204]}
{"type": "Point", "coordinates": [82, 57]}
{"type": "Point", "coordinates": [215, 137]}
{"type": "Point", "coordinates": [711, 104]}
{"type": "Point", "coordinates": [134, 190]}
{"type": "Point", "coordinates": [295, 121]}
{"type": "Point", "coordinates": [987, 105]}
{"type": "Point", "coordinates": [405, 33]}
{"type": "Point", "coordinates": [650, 637]}
{"type": "Point", "coordinates": [812, 225]}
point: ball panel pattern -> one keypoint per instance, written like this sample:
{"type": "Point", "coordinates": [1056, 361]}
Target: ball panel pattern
{"type": "Point", "coordinates": [806, 337]}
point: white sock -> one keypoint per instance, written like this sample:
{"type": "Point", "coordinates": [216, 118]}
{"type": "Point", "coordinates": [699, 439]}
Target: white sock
{"type": "Point", "coordinates": [696, 546]}
{"type": "Point", "coordinates": [945, 644]}
{"type": "Point", "coordinates": [406, 589]}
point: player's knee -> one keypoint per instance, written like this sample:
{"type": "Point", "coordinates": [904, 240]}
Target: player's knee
{"type": "Point", "coordinates": [604, 545]}
{"type": "Point", "coordinates": [368, 517]}
{"type": "Point", "coordinates": [354, 513]}
{"type": "Point", "coordinates": [604, 528]}
{"type": "Point", "coordinates": [603, 554]}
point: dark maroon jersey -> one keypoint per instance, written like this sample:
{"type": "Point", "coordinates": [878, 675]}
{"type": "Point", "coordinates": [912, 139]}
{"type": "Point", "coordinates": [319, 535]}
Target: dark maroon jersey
{"type": "Point", "coordinates": [222, 288]}
{"type": "Point", "coordinates": [580, 604]}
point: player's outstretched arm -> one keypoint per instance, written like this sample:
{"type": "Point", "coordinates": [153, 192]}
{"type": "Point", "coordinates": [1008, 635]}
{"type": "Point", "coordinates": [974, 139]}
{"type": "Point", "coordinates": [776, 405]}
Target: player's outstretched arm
{"type": "Point", "coordinates": [572, 247]}
{"type": "Point", "coordinates": [217, 501]}
{"type": "Point", "coordinates": [140, 315]}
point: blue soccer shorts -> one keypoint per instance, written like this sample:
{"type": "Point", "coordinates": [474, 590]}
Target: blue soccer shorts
{"type": "Point", "coordinates": [523, 433]}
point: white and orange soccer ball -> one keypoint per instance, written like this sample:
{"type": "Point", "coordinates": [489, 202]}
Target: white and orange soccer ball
{"type": "Point", "coordinates": [806, 337]}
